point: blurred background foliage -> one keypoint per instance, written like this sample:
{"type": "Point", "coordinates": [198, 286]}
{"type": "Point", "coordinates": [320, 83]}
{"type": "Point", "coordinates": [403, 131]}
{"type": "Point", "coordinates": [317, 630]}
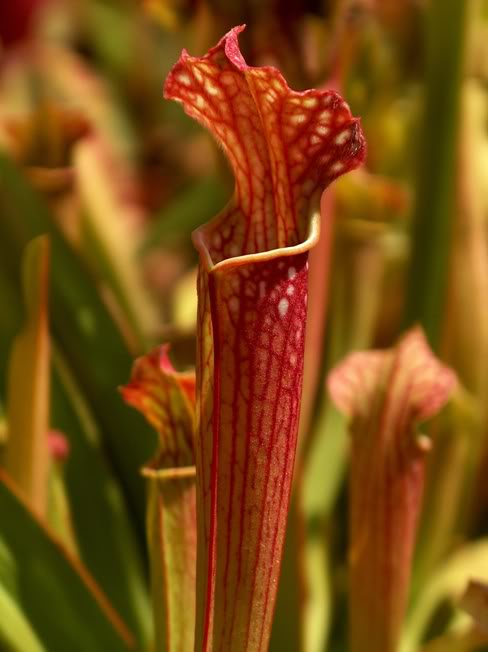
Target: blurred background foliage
{"type": "Point", "coordinates": [117, 178]}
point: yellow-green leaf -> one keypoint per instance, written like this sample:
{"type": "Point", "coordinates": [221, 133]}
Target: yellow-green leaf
{"type": "Point", "coordinates": [16, 634]}
{"type": "Point", "coordinates": [27, 455]}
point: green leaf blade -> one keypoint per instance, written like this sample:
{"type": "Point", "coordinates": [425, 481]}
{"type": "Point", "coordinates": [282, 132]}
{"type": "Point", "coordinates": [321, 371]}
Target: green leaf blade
{"type": "Point", "coordinates": [57, 596]}
{"type": "Point", "coordinates": [84, 329]}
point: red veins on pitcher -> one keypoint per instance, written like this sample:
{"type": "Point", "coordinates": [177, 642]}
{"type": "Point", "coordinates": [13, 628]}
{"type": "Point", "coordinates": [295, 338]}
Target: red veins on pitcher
{"type": "Point", "coordinates": [284, 147]}
{"type": "Point", "coordinates": [166, 398]}
{"type": "Point", "coordinates": [386, 394]}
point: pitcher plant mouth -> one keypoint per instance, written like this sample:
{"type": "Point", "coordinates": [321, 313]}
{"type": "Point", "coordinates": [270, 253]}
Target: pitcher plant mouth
{"type": "Point", "coordinates": [199, 240]}
{"type": "Point", "coordinates": [284, 148]}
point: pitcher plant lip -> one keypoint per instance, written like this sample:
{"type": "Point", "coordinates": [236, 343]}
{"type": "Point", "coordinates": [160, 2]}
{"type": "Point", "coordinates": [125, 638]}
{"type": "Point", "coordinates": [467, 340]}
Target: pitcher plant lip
{"type": "Point", "coordinates": [247, 259]}
{"type": "Point", "coordinates": [176, 473]}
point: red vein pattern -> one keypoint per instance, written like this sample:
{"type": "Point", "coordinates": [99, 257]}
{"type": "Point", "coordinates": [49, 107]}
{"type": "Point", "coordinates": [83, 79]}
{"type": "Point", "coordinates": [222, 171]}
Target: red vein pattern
{"type": "Point", "coordinates": [166, 398]}
{"type": "Point", "coordinates": [285, 148]}
{"type": "Point", "coordinates": [386, 394]}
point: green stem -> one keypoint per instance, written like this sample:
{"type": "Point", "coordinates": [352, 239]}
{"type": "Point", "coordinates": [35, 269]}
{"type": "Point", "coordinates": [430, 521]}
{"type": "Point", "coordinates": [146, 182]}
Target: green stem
{"type": "Point", "coordinates": [435, 201]}
{"type": "Point", "coordinates": [171, 530]}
